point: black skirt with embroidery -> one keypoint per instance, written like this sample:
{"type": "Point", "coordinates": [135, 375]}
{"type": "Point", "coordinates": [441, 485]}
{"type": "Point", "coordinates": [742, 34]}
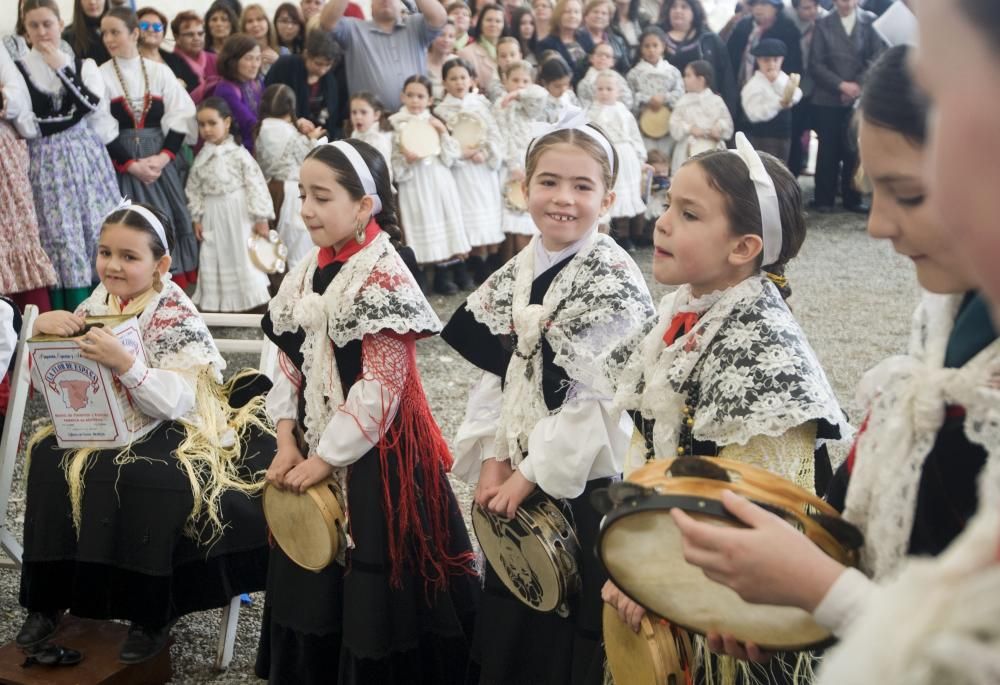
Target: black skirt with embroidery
{"type": "Point", "coordinates": [131, 559]}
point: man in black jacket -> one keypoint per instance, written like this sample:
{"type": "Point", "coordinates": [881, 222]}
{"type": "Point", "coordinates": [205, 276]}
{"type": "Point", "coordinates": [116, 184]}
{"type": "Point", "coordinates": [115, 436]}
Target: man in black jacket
{"type": "Point", "coordinates": [317, 77]}
{"type": "Point", "coordinates": [844, 46]}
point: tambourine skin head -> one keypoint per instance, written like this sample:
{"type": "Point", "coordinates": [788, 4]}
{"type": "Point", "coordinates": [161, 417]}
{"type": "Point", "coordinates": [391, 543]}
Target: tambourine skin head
{"type": "Point", "coordinates": [307, 527]}
{"type": "Point", "coordinates": [641, 548]}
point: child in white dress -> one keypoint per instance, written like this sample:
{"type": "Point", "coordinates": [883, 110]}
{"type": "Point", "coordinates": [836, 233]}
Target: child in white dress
{"type": "Point", "coordinates": [656, 83]}
{"type": "Point", "coordinates": [428, 198]}
{"type": "Point", "coordinates": [280, 149]}
{"type": "Point", "coordinates": [476, 171]}
{"type": "Point", "coordinates": [515, 113]}
{"type": "Point", "coordinates": [617, 122]}
{"type": "Point", "coordinates": [229, 202]}
{"type": "Point", "coordinates": [602, 59]}
{"type": "Point", "coordinates": [701, 121]}
{"type": "Point", "coordinates": [370, 124]}
{"type": "Point", "coordinates": [508, 52]}
{"type": "Point", "coordinates": [555, 76]}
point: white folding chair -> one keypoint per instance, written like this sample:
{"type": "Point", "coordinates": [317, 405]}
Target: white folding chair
{"type": "Point", "coordinates": [267, 365]}
{"type": "Point", "coordinates": [20, 384]}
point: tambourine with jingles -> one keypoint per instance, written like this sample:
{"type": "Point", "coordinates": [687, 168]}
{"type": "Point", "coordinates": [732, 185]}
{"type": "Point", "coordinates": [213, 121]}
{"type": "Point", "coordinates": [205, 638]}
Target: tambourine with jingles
{"type": "Point", "coordinates": [641, 547]}
{"type": "Point", "coordinates": [420, 138]}
{"type": "Point", "coordinates": [658, 654]}
{"type": "Point", "coordinates": [310, 528]}
{"type": "Point", "coordinates": [535, 554]}
{"type": "Point", "coordinates": [513, 196]}
{"type": "Point", "coordinates": [655, 124]}
{"type": "Point", "coordinates": [268, 254]}
{"type": "Point", "coordinates": [469, 130]}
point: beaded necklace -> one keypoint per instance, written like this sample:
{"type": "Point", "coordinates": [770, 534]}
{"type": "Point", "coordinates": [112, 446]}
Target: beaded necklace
{"type": "Point", "coordinates": [147, 100]}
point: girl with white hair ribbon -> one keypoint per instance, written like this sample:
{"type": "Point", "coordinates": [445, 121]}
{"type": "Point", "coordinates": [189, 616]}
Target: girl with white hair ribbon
{"type": "Point", "coordinates": [396, 607]}
{"type": "Point", "coordinates": [168, 524]}
{"type": "Point", "coordinates": [535, 421]}
{"type": "Point", "coordinates": [724, 369]}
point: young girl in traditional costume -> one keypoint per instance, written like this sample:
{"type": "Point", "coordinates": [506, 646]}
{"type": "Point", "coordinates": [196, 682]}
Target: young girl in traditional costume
{"type": "Point", "coordinates": [229, 202]}
{"type": "Point", "coordinates": [655, 82]}
{"type": "Point", "coordinates": [400, 608]}
{"type": "Point", "coordinates": [724, 369]}
{"type": "Point", "coordinates": [701, 121]}
{"type": "Point", "coordinates": [280, 150]}
{"type": "Point", "coordinates": [155, 117]}
{"type": "Point", "coordinates": [26, 272]}
{"type": "Point", "coordinates": [927, 454]}
{"type": "Point", "coordinates": [516, 112]}
{"type": "Point", "coordinates": [369, 124]}
{"type": "Point", "coordinates": [555, 76]}
{"type": "Point", "coordinates": [429, 204]}
{"type": "Point", "coordinates": [609, 112]}
{"type": "Point", "coordinates": [534, 420]}
{"type": "Point", "coordinates": [476, 172]}
{"type": "Point", "coordinates": [72, 179]}
{"type": "Point", "coordinates": [166, 525]}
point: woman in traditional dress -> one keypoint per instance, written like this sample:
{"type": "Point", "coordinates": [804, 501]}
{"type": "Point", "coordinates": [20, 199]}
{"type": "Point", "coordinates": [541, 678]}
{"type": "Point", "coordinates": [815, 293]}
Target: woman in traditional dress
{"type": "Point", "coordinates": [72, 178]}
{"type": "Point", "coordinates": [155, 117]}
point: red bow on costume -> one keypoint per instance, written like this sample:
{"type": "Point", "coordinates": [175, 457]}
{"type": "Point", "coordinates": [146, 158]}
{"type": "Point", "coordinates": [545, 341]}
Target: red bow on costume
{"type": "Point", "coordinates": [681, 324]}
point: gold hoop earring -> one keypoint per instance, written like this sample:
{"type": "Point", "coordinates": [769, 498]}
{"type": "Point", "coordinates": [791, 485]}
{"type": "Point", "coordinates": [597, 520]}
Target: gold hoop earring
{"type": "Point", "coordinates": [359, 232]}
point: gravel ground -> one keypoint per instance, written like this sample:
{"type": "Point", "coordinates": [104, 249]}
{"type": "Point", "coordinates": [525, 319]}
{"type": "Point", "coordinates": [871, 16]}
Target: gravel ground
{"type": "Point", "coordinates": [853, 296]}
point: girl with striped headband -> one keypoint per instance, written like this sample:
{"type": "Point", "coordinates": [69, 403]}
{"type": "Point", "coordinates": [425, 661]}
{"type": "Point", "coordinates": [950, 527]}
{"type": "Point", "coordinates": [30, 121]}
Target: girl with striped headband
{"type": "Point", "coordinates": [724, 369]}
{"type": "Point", "coordinates": [395, 607]}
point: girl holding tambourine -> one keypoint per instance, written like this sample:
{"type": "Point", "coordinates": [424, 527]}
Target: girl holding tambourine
{"type": "Point", "coordinates": [400, 608]}
{"type": "Point", "coordinates": [656, 83]}
{"type": "Point", "coordinates": [515, 112]}
{"type": "Point", "coordinates": [476, 171]}
{"type": "Point", "coordinates": [536, 328]}
{"type": "Point", "coordinates": [429, 205]}
{"type": "Point", "coordinates": [724, 368]}
{"type": "Point", "coordinates": [925, 459]}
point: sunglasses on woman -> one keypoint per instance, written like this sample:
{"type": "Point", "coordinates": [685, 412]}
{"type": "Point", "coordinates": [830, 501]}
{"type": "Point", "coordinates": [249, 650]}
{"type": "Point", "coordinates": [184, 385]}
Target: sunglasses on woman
{"type": "Point", "coordinates": [151, 26]}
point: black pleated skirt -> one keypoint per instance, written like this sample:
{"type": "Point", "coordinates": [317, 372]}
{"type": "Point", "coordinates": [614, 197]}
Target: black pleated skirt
{"type": "Point", "coordinates": [131, 559]}
{"type": "Point", "coordinates": [349, 626]}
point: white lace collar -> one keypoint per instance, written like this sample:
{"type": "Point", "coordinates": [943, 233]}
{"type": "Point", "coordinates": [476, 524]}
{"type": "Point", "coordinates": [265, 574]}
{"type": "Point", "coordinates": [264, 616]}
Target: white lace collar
{"type": "Point", "coordinates": [907, 396]}
{"type": "Point", "coordinates": [598, 298]}
{"type": "Point", "coordinates": [545, 259]}
{"type": "Point", "coordinates": [758, 374]}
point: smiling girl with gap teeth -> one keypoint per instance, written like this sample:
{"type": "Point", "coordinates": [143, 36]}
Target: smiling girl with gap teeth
{"type": "Point", "coordinates": [539, 324]}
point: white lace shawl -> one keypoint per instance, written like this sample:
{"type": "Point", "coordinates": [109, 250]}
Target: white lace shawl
{"type": "Point", "coordinates": [372, 292]}
{"type": "Point", "coordinates": [760, 376]}
{"type": "Point", "coordinates": [597, 299]}
{"type": "Point", "coordinates": [907, 396]}
{"type": "Point", "coordinates": [937, 623]}
{"type": "Point", "coordinates": [174, 335]}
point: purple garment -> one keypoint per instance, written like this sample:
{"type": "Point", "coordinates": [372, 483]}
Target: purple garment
{"type": "Point", "coordinates": [244, 100]}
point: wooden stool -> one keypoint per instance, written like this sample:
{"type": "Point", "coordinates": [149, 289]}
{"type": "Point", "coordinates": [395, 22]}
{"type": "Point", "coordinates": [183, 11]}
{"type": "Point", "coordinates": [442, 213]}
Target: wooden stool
{"type": "Point", "coordinates": [99, 642]}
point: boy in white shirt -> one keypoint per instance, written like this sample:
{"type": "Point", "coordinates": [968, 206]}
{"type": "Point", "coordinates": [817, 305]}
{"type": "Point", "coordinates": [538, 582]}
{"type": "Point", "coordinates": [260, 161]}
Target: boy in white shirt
{"type": "Point", "coordinates": [768, 98]}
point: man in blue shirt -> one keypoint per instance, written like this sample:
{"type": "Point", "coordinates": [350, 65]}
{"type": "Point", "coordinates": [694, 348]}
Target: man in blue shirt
{"type": "Point", "coordinates": [382, 53]}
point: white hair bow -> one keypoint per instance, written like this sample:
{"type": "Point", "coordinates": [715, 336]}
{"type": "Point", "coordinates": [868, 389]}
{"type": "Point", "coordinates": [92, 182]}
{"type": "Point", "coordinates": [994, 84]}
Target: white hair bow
{"type": "Point", "coordinates": [767, 198]}
{"type": "Point", "coordinates": [150, 218]}
{"type": "Point", "coordinates": [572, 118]}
